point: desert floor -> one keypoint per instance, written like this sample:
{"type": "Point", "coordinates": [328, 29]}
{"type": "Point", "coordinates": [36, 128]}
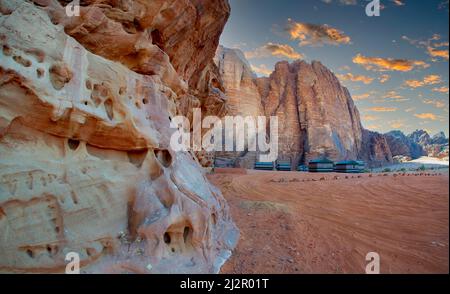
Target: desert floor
{"type": "Point", "coordinates": [294, 222]}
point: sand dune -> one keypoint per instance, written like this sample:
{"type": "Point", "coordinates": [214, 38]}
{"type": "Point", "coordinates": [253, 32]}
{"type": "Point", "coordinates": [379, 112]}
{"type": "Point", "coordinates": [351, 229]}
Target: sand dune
{"type": "Point", "coordinates": [294, 222]}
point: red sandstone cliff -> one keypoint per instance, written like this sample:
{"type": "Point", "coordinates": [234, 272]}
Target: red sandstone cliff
{"type": "Point", "coordinates": [317, 116]}
{"type": "Point", "coordinates": [85, 161]}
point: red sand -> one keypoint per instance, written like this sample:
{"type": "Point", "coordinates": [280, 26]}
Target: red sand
{"type": "Point", "coordinates": [294, 222]}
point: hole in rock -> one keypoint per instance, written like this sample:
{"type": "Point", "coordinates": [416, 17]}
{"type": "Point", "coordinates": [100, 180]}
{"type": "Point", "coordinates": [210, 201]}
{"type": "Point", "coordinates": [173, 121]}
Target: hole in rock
{"type": "Point", "coordinates": [166, 238]}
{"type": "Point", "coordinates": [215, 83]}
{"type": "Point", "coordinates": [214, 218]}
{"type": "Point", "coordinates": [163, 157]}
{"type": "Point", "coordinates": [30, 253]}
{"type": "Point", "coordinates": [157, 39]}
{"type": "Point", "coordinates": [88, 85]}
{"type": "Point", "coordinates": [186, 233]}
{"type": "Point", "coordinates": [90, 251]}
{"type": "Point", "coordinates": [137, 157]}
{"type": "Point", "coordinates": [109, 109]}
{"type": "Point", "coordinates": [144, 101]}
{"type": "Point", "coordinates": [40, 72]}
{"type": "Point", "coordinates": [73, 144]}
{"type": "Point", "coordinates": [172, 249]}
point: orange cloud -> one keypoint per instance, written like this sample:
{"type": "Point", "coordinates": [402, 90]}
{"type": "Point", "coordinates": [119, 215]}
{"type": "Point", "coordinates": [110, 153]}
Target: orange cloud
{"type": "Point", "coordinates": [312, 34]}
{"type": "Point", "coordinates": [398, 2]}
{"type": "Point", "coordinates": [273, 49]}
{"type": "Point", "coordinates": [436, 103]}
{"type": "Point", "coordinates": [441, 90]}
{"type": "Point", "coordinates": [396, 124]}
{"type": "Point", "coordinates": [388, 64]}
{"type": "Point", "coordinates": [374, 127]}
{"type": "Point", "coordinates": [383, 109]}
{"type": "Point", "coordinates": [434, 52]}
{"type": "Point", "coordinates": [384, 78]}
{"type": "Point", "coordinates": [370, 117]}
{"type": "Point", "coordinates": [434, 46]}
{"type": "Point", "coordinates": [361, 96]}
{"type": "Point", "coordinates": [355, 78]}
{"type": "Point", "coordinates": [428, 80]}
{"type": "Point", "coordinates": [262, 70]}
{"type": "Point", "coordinates": [427, 116]}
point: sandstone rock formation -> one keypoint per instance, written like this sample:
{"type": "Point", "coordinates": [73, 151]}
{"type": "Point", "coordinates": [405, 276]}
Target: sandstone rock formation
{"type": "Point", "coordinates": [316, 114]}
{"type": "Point", "coordinates": [242, 99]}
{"type": "Point", "coordinates": [375, 149]}
{"type": "Point", "coordinates": [85, 161]}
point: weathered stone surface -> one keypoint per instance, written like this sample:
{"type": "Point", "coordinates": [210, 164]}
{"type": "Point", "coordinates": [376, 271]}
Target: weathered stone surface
{"type": "Point", "coordinates": [375, 149]}
{"type": "Point", "coordinates": [418, 143]}
{"type": "Point", "coordinates": [317, 115]}
{"type": "Point", "coordinates": [403, 145]}
{"type": "Point", "coordinates": [242, 99]}
{"type": "Point", "coordinates": [85, 164]}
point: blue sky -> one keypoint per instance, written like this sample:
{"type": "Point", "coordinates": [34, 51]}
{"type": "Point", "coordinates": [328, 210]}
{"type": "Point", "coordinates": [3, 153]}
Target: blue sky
{"type": "Point", "coordinates": [395, 65]}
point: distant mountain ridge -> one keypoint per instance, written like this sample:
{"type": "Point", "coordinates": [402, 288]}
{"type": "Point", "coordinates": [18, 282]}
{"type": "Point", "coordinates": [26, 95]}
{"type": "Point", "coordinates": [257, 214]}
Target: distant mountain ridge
{"type": "Point", "coordinates": [418, 143]}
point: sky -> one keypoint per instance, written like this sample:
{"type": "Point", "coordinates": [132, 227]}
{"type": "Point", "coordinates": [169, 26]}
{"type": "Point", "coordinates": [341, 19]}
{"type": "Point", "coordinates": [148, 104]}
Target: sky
{"type": "Point", "coordinates": [395, 65]}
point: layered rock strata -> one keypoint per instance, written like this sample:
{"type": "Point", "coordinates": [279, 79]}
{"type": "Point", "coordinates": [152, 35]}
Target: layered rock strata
{"type": "Point", "coordinates": [85, 161]}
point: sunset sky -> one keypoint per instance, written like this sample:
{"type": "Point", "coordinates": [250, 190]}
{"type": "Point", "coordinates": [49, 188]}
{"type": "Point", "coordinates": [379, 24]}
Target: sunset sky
{"type": "Point", "coordinates": [395, 65]}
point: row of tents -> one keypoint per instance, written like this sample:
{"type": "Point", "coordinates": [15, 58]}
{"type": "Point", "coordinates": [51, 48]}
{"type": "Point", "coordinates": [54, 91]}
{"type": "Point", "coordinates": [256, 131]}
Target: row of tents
{"type": "Point", "coordinates": [320, 165]}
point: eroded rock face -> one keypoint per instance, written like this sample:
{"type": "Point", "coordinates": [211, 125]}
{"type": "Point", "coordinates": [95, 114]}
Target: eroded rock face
{"type": "Point", "coordinates": [317, 115]}
{"type": "Point", "coordinates": [375, 149]}
{"type": "Point", "coordinates": [242, 99]}
{"type": "Point", "coordinates": [85, 161]}
{"type": "Point", "coordinates": [400, 144]}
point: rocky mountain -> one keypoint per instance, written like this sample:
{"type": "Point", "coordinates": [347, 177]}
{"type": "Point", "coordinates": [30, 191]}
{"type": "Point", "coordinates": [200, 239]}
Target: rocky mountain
{"type": "Point", "coordinates": [317, 116]}
{"type": "Point", "coordinates": [418, 143]}
{"type": "Point", "coordinates": [439, 138]}
{"type": "Point", "coordinates": [85, 161]}
{"type": "Point", "coordinates": [400, 144]}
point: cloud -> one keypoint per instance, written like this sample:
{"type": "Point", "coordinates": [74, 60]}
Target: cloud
{"type": "Point", "coordinates": [273, 49]}
{"type": "Point", "coordinates": [262, 70]}
{"type": "Point", "coordinates": [392, 96]}
{"type": "Point", "coordinates": [388, 64]}
{"type": "Point", "coordinates": [410, 109]}
{"type": "Point", "coordinates": [316, 35]}
{"type": "Point", "coordinates": [428, 116]}
{"type": "Point", "coordinates": [397, 124]}
{"type": "Point", "coordinates": [355, 78]}
{"type": "Point", "coordinates": [369, 117]}
{"type": "Point", "coordinates": [435, 103]}
{"type": "Point", "coordinates": [361, 96]}
{"type": "Point", "coordinates": [398, 2]}
{"type": "Point", "coordinates": [383, 109]}
{"type": "Point", "coordinates": [342, 2]}
{"type": "Point", "coordinates": [441, 90]}
{"type": "Point", "coordinates": [427, 80]}
{"type": "Point", "coordinates": [344, 68]}
{"type": "Point", "coordinates": [433, 46]}
{"type": "Point", "coordinates": [374, 127]}
{"type": "Point", "coordinates": [384, 78]}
